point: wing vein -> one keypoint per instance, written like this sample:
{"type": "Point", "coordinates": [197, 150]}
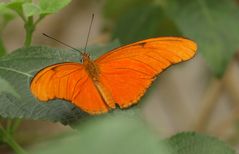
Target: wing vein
{"type": "Point", "coordinates": [122, 68]}
{"type": "Point", "coordinates": [75, 95]}
{"type": "Point", "coordinates": [142, 62]}
{"type": "Point", "coordinates": [159, 60]}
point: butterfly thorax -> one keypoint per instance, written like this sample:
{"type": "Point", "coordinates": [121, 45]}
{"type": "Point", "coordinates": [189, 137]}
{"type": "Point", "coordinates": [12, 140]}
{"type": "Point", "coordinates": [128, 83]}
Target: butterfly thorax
{"type": "Point", "coordinates": [90, 67]}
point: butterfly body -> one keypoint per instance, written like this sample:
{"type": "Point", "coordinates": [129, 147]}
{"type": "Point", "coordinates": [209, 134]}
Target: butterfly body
{"type": "Point", "coordinates": [120, 76]}
{"type": "Point", "coordinates": [93, 71]}
{"type": "Point", "coordinates": [90, 67]}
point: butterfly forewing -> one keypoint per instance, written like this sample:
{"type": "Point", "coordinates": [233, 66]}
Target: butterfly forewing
{"type": "Point", "coordinates": [68, 81]}
{"type": "Point", "coordinates": [129, 70]}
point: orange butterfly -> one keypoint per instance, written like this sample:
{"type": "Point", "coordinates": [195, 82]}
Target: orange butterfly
{"type": "Point", "coordinates": [120, 76]}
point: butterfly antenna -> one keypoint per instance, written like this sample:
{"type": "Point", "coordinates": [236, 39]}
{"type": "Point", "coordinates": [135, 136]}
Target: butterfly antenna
{"type": "Point", "coordinates": [92, 18]}
{"type": "Point", "coordinates": [61, 42]}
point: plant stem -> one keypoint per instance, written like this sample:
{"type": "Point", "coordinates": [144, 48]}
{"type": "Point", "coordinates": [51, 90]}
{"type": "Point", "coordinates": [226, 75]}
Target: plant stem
{"type": "Point", "coordinates": [15, 125]}
{"type": "Point", "coordinates": [231, 83]}
{"type": "Point", "coordinates": [12, 125]}
{"type": "Point", "coordinates": [7, 138]}
{"type": "Point", "coordinates": [9, 125]}
{"type": "Point", "coordinates": [29, 28]}
{"type": "Point", "coordinates": [2, 47]}
{"type": "Point", "coordinates": [39, 19]}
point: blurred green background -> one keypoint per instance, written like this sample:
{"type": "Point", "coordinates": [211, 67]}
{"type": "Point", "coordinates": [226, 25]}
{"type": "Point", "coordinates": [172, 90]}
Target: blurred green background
{"type": "Point", "coordinates": [200, 95]}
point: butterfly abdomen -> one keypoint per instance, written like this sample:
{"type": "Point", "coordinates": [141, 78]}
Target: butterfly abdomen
{"type": "Point", "coordinates": [105, 94]}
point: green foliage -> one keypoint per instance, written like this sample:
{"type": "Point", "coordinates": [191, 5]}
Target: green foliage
{"type": "Point", "coordinates": [32, 13]}
{"type": "Point", "coordinates": [212, 24]}
{"type": "Point", "coordinates": [121, 132]}
{"type": "Point", "coordinates": [6, 15]}
{"type": "Point", "coordinates": [16, 5]}
{"type": "Point", "coordinates": [31, 9]}
{"type": "Point", "coordinates": [6, 137]}
{"type": "Point", "coordinates": [124, 132]}
{"type": "Point", "coordinates": [114, 9]}
{"type": "Point", "coordinates": [52, 6]}
{"type": "Point", "coordinates": [7, 88]}
{"type": "Point", "coordinates": [145, 22]}
{"type": "Point", "coordinates": [195, 143]}
{"type": "Point", "coordinates": [2, 48]}
{"type": "Point", "coordinates": [26, 8]}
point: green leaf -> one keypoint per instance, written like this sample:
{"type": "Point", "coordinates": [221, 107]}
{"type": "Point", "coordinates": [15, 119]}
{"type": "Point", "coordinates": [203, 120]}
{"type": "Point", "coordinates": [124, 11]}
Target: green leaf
{"type": "Point", "coordinates": [7, 88]}
{"type": "Point", "coordinates": [31, 9]}
{"type": "Point", "coordinates": [52, 6]}
{"type": "Point", "coordinates": [212, 24]}
{"type": "Point", "coordinates": [120, 133]}
{"type": "Point", "coordinates": [16, 5]}
{"type": "Point", "coordinates": [145, 22]}
{"type": "Point", "coordinates": [195, 143]}
{"type": "Point", "coordinates": [18, 69]}
{"type": "Point", "coordinates": [6, 15]}
{"type": "Point", "coordinates": [114, 9]}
